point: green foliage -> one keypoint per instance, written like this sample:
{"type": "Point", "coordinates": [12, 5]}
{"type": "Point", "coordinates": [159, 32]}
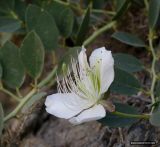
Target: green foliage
{"type": "Point", "coordinates": [20, 9]}
{"type": "Point", "coordinates": [33, 100]}
{"type": "Point", "coordinates": [66, 59]}
{"type": "Point", "coordinates": [83, 28]}
{"type": "Point", "coordinates": [55, 8]}
{"type": "Point", "coordinates": [125, 83]}
{"type": "Point", "coordinates": [155, 117]}
{"type": "Point", "coordinates": [115, 121]}
{"type": "Point", "coordinates": [1, 71]}
{"type": "Point", "coordinates": [44, 25]}
{"type": "Point", "coordinates": [129, 39]}
{"type": "Point", "coordinates": [9, 24]}
{"type": "Point", "coordinates": [122, 6]}
{"type": "Point", "coordinates": [157, 89]}
{"type": "Point", "coordinates": [65, 18]}
{"type": "Point", "coordinates": [154, 9]}
{"type": "Point", "coordinates": [127, 62]}
{"type": "Point", "coordinates": [6, 5]}
{"type": "Point", "coordinates": [61, 27]}
{"type": "Point", "coordinates": [13, 70]}
{"type": "Point", "coordinates": [97, 4]}
{"type": "Point", "coordinates": [119, 4]}
{"type": "Point", "coordinates": [1, 118]}
{"type": "Point", "coordinates": [66, 25]}
{"type": "Point", "coordinates": [32, 54]}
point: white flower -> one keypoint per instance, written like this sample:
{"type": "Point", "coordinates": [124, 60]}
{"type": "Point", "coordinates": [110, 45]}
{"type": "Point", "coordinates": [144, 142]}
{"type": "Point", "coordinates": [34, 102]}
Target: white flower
{"type": "Point", "coordinates": [78, 97]}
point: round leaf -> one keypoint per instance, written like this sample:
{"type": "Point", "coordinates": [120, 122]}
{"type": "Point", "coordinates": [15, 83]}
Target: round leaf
{"type": "Point", "coordinates": [157, 90]}
{"type": "Point", "coordinates": [44, 25]}
{"type": "Point", "coordinates": [32, 54]}
{"type": "Point", "coordinates": [55, 8]}
{"type": "Point", "coordinates": [65, 18]}
{"type": "Point", "coordinates": [127, 62]}
{"type": "Point", "coordinates": [6, 5]}
{"type": "Point", "coordinates": [129, 39]}
{"type": "Point", "coordinates": [66, 22]}
{"type": "Point", "coordinates": [125, 83]}
{"type": "Point", "coordinates": [154, 8]}
{"type": "Point", "coordinates": [155, 117]}
{"type": "Point", "coordinates": [13, 69]}
{"type": "Point", "coordinates": [9, 24]}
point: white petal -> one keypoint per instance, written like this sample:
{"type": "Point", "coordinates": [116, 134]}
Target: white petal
{"type": "Point", "coordinates": [94, 113]}
{"type": "Point", "coordinates": [82, 59]}
{"type": "Point", "coordinates": [84, 70]}
{"type": "Point", "coordinates": [65, 105]}
{"type": "Point", "coordinates": [106, 63]}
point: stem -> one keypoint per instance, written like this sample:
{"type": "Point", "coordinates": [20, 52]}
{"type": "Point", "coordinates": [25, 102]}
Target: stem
{"type": "Point", "coordinates": [98, 32]}
{"type": "Point", "coordinates": [126, 115]}
{"type": "Point", "coordinates": [62, 2]}
{"type": "Point", "coordinates": [14, 15]}
{"type": "Point", "coordinates": [10, 94]}
{"type": "Point", "coordinates": [154, 76]}
{"type": "Point", "coordinates": [35, 82]}
{"type": "Point", "coordinates": [103, 11]}
{"type": "Point", "coordinates": [48, 78]}
{"type": "Point", "coordinates": [18, 92]}
{"type": "Point", "coordinates": [30, 94]}
{"type": "Point", "coordinates": [146, 4]}
{"type": "Point", "coordinates": [20, 105]}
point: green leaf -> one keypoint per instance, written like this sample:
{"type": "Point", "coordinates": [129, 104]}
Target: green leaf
{"type": "Point", "coordinates": [1, 118]}
{"type": "Point", "coordinates": [65, 18]}
{"type": "Point", "coordinates": [66, 22]}
{"type": "Point", "coordinates": [129, 39]}
{"type": "Point", "coordinates": [83, 28]}
{"type": "Point", "coordinates": [119, 4]}
{"type": "Point", "coordinates": [75, 28]}
{"type": "Point", "coordinates": [66, 59]}
{"type": "Point", "coordinates": [115, 121]}
{"type": "Point", "coordinates": [13, 69]}
{"type": "Point", "coordinates": [138, 3]}
{"type": "Point", "coordinates": [157, 90]}
{"type": "Point", "coordinates": [125, 83]}
{"type": "Point", "coordinates": [127, 62]}
{"type": "Point", "coordinates": [20, 9]}
{"type": "Point", "coordinates": [32, 54]}
{"type": "Point", "coordinates": [34, 99]}
{"type": "Point", "coordinates": [55, 8]}
{"type": "Point", "coordinates": [96, 4]}
{"type": "Point", "coordinates": [1, 71]}
{"type": "Point", "coordinates": [44, 25]}
{"type": "Point", "coordinates": [122, 6]}
{"type": "Point", "coordinates": [9, 24]}
{"type": "Point", "coordinates": [155, 117]}
{"type": "Point", "coordinates": [6, 5]}
{"type": "Point", "coordinates": [154, 9]}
